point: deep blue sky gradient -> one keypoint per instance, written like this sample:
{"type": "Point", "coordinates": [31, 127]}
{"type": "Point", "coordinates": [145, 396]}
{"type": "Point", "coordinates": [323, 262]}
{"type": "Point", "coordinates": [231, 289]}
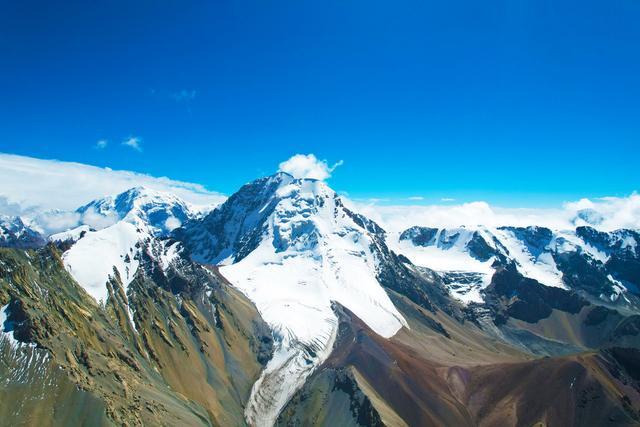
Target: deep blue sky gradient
{"type": "Point", "coordinates": [514, 102]}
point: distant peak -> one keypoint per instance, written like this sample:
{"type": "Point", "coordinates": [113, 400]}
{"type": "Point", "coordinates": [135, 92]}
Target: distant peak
{"type": "Point", "coordinates": [161, 211]}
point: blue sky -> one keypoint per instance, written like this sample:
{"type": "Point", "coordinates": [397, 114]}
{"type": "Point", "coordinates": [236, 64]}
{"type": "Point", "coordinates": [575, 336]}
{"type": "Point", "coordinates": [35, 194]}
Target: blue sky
{"type": "Point", "coordinates": [513, 102]}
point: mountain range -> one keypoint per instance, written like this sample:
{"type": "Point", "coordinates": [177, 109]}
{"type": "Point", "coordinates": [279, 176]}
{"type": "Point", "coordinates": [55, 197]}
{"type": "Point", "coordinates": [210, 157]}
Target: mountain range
{"type": "Point", "coordinates": [285, 306]}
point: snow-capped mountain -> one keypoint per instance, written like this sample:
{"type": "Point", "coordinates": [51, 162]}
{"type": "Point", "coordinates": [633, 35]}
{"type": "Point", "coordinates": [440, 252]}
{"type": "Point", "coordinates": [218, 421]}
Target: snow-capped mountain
{"type": "Point", "coordinates": [160, 212]}
{"type": "Point", "coordinates": [15, 233]}
{"type": "Point", "coordinates": [294, 249]}
{"type": "Point", "coordinates": [127, 224]}
{"type": "Point", "coordinates": [584, 259]}
{"type": "Point", "coordinates": [285, 307]}
{"type": "Point", "coordinates": [176, 346]}
{"type": "Point", "coordinates": [464, 258]}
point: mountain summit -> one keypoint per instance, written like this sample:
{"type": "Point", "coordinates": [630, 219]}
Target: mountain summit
{"type": "Point", "coordinates": [159, 211]}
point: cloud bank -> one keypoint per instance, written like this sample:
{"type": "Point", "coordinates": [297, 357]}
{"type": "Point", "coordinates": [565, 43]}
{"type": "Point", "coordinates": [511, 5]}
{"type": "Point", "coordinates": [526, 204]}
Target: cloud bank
{"type": "Point", "coordinates": [609, 213]}
{"type": "Point", "coordinates": [47, 191]}
{"type": "Point", "coordinates": [29, 186]}
{"type": "Point", "coordinates": [308, 166]}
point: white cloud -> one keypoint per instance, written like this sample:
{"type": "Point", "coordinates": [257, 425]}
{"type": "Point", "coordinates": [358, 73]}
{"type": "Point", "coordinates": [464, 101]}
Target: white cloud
{"type": "Point", "coordinates": [447, 199]}
{"type": "Point", "coordinates": [99, 220]}
{"type": "Point", "coordinates": [55, 221]}
{"type": "Point", "coordinates": [617, 212]}
{"type": "Point", "coordinates": [415, 198]}
{"type": "Point", "coordinates": [102, 144]}
{"type": "Point", "coordinates": [308, 166]}
{"type": "Point", "coordinates": [133, 142]}
{"type": "Point", "coordinates": [30, 186]}
{"type": "Point", "coordinates": [9, 208]}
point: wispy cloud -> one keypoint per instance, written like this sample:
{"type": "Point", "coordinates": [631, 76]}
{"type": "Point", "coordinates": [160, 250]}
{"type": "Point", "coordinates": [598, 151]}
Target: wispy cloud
{"type": "Point", "coordinates": [102, 144]}
{"type": "Point", "coordinates": [184, 95]}
{"type": "Point", "coordinates": [447, 199]}
{"type": "Point", "coordinates": [133, 142]}
{"type": "Point", "coordinates": [415, 198]}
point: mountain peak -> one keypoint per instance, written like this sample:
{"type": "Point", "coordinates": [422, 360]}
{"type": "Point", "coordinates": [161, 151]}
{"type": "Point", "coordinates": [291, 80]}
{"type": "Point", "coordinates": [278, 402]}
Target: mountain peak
{"type": "Point", "coordinates": [276, 202]}
{"type": "Point", "coordinates": [294, 249]}
{"type": "Point", "coordinates": [160, 211]}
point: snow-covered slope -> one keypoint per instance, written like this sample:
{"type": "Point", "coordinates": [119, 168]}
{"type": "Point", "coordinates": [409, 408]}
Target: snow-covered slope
{"type": "Point", "coordinates": [532, 250]}
{"type": "Point", "coordinates": [466, 258]}
{"type": "Point", "coordinates": [72, 235]}
{"type": "Point", "coordinates": [92, 260]}
{"type": "Point", "coordinates": [293, 248]}
{"type": "Point", "coordinates": [463, 257]}
{"type": "Point", "coordinates": [137, 217]}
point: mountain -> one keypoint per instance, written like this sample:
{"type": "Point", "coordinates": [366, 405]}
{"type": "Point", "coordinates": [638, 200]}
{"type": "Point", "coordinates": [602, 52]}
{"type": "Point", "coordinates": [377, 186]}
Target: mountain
{"type": "Point", "coordinates": [603, 265]}
{"type": "Point", "coordinates": [294, 249]}
{"type": "Point", "coordinates": [123, 328]}
{"type": "Point", "coordinates": [128, 225]}
{"type": "Point", "coordinates": [284, 306]}
{"type": "Point", "coordinates": [159, 212]}
{"type": "Point", "coordinates": [15, 233]}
